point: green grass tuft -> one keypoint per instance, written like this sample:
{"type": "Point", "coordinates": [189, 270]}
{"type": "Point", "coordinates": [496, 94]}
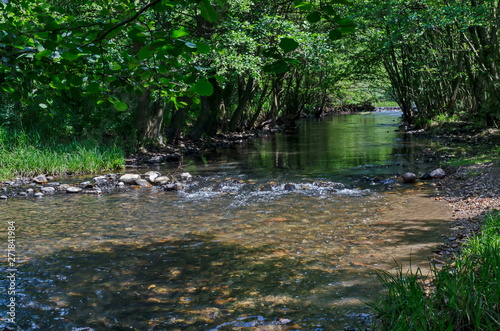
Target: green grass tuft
{"type": "Point", "coordinates": [465, 295]}
{"type": "Point", "coordinates": [23, 155]}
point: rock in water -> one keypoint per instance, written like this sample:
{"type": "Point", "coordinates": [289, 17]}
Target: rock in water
{"type": "Point", "coordinates": [151, 176]}
{"type": "Point", "coordinates": [130, 178]}
{"type": "Point", "coordinates": [289, 187]}
{"type": "Point", "coordinates": [100, 179]}
{"type": "Point", "coordinates": [73, 189]}
{"type": "Point", "coordinates": [40, 179]}
{"type": "Point", "coordinates": [438, 173]}
{"type": "Point", "coordinates": [426, 176]}
{"type": "Point", "coordinates": [186, 176]}
{"type": "Point", "coordinates": [170, 187]}
{"type": "Point", "coordinates": [162, 180]}
{"type": "Point", "coordinates": [409, 177]}
{"type": "Point", "coordinates": [48, 190]}
{"type": "Point", "coordinates": [143, 183]}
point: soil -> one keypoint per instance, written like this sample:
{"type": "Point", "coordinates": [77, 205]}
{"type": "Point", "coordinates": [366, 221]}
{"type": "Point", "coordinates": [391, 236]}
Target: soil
{"type": "Point", "coordinates": [471, 190]}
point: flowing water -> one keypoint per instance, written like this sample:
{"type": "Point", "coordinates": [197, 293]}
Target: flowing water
{"type": "Point", "coordinates": [238, 248]}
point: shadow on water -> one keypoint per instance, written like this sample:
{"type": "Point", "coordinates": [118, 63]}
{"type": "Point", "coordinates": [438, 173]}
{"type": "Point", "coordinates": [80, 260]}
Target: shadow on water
{"type": "Point", "coordinates": [191, 284]}
{"type": "Point", "coordinates": [200, 283]}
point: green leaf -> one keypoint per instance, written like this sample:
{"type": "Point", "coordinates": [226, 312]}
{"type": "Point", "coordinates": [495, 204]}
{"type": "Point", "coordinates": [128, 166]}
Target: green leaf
{"type": "Point", "coordinates": [8, 89]}
{"type": "Point", "coordinates": [93, 88]}
{"type": "Point", "coordinates": [42, 54]}
{"type": "Point", "coordinates": [145, 53]}
{"type": "Point", "coordinates": [345, 22]}
{"type": "Point", "coordinates": [75, 80]}
{"type": "Point", "coordinates": [115, 32]}
{"type": "Point", "coordinates": [58, 83]}
{"type": "Point", "coordinates": [179, 33]}
{"type": "Point", "coordinates": [174, 51]}
{"type": "Point", "coordinates": [342, 2]}
{"type": "Point", "coordinates": [347, 29]}
{"type": "Point", "coordinates": [120, 106]}
{"type": "Point", "coordinates": [303, 5]}
{"type": "Point", "coordinates": [70, 56]}
{"type": "Point", "coordinates": [288, 44]}
{"type": "Point", "coordinates": [328, 9]}
{"type": "Point", "coordinates": [207, 11]}
{"type": "Point", "coordinates": [314, 17]}
{"type": "Point", "coordinates": [164, 81]}
{"type": "Point", "coordinates": [137, 37]}
{"type": "Point", "coordinates": [272, 52]}
{"type": "Point", "coordinates": [204, 87]}
{"type": "Point", "coordinates": [163, 69]}
{"type": "Point", "coordinates": [202, 48]}
{"type": "Point", "coordinates": [335, 35]}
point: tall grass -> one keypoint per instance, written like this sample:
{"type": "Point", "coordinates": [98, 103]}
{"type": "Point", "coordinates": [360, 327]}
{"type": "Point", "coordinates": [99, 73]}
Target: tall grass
{"type": "Point", "coordinates": [464, 295]}
{"type": "Point", "coordinates": [25, 155]}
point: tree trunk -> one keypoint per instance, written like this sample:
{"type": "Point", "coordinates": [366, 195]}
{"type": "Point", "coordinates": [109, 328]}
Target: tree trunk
{"type": "Point", "coordinates": [245, 92]}
{"type": "Point", "coordinates": [207, 120]}
{"type": "Point", "coordinates": [149, 120]}
{"type": "Point", "coordinates": [178, 120]}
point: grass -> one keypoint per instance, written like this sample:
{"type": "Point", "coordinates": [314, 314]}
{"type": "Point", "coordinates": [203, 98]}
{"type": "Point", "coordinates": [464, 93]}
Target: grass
{"type": "Point", "coordinates": [479, 159]}
{"type": "Point", "coordinates": [386, 104]}
{"type": "Point", "coordinates": [464, 295]}
{"type": "Point", "coordinates": [27, 155]}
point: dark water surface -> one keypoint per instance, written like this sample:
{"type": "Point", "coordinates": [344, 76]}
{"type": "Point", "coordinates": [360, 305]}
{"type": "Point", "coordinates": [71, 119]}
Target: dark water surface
{"type": "Point", "coordinates": [234, 250]}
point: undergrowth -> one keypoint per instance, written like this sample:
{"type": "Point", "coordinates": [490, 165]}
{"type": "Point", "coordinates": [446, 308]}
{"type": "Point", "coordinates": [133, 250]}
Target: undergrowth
{"type": "Point", "coordinates": [464, 295]}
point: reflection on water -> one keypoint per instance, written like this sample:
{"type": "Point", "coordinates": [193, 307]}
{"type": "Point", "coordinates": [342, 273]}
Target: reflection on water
{"type": "Point", "coordinates": [331, 147]}
{"type": "Point", "coordinates": [233, 251]}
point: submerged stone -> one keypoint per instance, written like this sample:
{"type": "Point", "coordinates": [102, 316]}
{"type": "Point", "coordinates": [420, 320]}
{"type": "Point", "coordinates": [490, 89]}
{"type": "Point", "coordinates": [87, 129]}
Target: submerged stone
{"type": "Point", "coordinates": [143, 183]}
{"type": "Point", "coordinates": [87, 184]}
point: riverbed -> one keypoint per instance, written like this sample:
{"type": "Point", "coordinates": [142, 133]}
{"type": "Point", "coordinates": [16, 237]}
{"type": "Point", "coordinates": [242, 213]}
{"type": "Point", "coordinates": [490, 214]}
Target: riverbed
{"type": "Point", "coordinates": [284, 232]}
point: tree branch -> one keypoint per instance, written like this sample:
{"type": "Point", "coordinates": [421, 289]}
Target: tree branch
{"type": "Point", "coordinates": [125, 22]}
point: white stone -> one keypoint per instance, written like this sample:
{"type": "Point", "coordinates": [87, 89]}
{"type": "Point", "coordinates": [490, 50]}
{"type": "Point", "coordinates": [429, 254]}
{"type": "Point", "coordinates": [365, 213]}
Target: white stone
{"type": "Point", "coordinates": [152, 175]}
{"type": "Point", "coordinates": [162, 180]}
{"type": "Point", "coordinates": [129, 178]}
{"type": "Point", "coordinates": [73, 189]}
{"type": "Point", "coordinates": [186, 175]}
{"type": "Point", "coordinates": [48, 190]}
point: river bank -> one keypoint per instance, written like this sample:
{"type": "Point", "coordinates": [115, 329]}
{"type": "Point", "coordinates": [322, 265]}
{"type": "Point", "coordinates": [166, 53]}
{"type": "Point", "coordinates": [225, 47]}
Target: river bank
{"type": "Point", "coordinates": [472, 162]}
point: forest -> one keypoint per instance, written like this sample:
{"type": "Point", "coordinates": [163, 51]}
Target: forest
{"type": "Point", "coordinates": [136, 74]}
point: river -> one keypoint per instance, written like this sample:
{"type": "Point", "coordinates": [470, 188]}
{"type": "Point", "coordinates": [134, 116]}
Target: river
{"type": "Point", "coordinates": [282, 232]}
